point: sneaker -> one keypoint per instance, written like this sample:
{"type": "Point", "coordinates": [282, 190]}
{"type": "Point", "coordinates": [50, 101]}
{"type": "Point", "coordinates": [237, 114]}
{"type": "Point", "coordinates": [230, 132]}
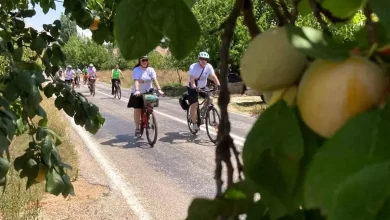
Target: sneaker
{"type": "Point", "coordinates": [195, 127]}
{"type": "Point", "coordinates": [137, 133]}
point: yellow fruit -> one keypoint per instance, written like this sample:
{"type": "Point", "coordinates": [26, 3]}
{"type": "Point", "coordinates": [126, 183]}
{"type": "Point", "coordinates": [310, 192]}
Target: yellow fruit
{"type": "Point", "coordinates": [41, 173]}
{"type": "Point", "coordinates": [330, 93]}
{"type": "Point", "coordinates": [289, 95]}
{"type": "Point", "coordinates": [95, 24]}
{"type": "Point", "coordinates": [270, 62]}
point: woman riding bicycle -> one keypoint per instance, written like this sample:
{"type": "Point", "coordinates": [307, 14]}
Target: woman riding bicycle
{"type": "Point", "coordinates": [69, 75]}
{"type": "Point", "coordinates": [116, 75]}
{"type": "Point", "coordinates": [199, 72]}
{"type": "Point", "coordinates": [92, 74]}
{"type": "Point", "coordinates": [85, 74]}
{"type": "Point", "coordinates": [143, 76]}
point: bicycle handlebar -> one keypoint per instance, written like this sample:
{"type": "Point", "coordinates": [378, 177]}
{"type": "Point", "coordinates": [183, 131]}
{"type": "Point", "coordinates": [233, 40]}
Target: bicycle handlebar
{"type": "Point", "coordinates": [208, 90]}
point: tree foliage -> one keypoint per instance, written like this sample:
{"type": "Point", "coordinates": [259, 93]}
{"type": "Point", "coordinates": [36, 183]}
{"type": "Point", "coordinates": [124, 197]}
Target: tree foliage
{"type": "Point", "coordinates": [68, 28]}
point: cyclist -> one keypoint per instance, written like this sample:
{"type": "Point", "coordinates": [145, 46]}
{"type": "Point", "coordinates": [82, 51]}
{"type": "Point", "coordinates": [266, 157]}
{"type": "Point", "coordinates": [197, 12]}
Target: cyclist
{"type": "Point", "coordinates": [60, 73]}
{"type": "Point", "coordinates": [199, 72]}
{"type": "Point", "coordinates": [116, 74]}
{"type": "Point", "coordinates": [85, 74]}
{"type": "Point", "coordinates": [69, 75]}
{"type": "Point", "coordinates": [143, 75]}
{"type": "Point", "coordinates": [92, 74]}
{"type": "Point", "coordinates": [78, 73]}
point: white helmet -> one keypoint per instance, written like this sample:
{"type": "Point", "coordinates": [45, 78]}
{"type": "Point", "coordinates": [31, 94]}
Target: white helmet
{"type": "Point", "coordinates": [69, 66]}
{"type": "Point", "coordinates": [204, 55]}
{"type": "Point", "coordinates": [91, 65]}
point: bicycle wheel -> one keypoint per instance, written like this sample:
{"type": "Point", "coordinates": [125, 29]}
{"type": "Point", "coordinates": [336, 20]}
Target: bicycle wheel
{"type": "Point", "coordinates": [151, 126]}
{"type": "Point", "coordinates": [93, 89]}
{"type": "Point", "coordinates": [189, 122]}
{"type": "Point", "coordinates": [118, 92]}
{"type": "Point", "coordinates": [212, 122]}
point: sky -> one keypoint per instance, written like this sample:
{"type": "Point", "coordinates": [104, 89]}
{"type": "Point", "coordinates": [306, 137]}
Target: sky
{"type": "Point", "coordinates": [40, 18]}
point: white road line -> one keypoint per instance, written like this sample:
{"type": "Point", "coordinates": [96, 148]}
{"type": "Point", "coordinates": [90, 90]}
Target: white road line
{"type": "Point", "coordinates": [116, 179]}
{"type": "Point", "coordinates": [237, 139]}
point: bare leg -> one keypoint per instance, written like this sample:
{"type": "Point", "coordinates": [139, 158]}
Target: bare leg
{"type": "Point", "coordinates": [193, 112]}
{"type": "Point", "coordinates": [137, 117]}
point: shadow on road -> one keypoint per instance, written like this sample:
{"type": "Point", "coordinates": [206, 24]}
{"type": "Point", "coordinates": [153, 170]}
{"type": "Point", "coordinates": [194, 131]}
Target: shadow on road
{"type": "Point", "coordinates": [184, 137]}
{"type": "Point", "coordinates": [127, 141]}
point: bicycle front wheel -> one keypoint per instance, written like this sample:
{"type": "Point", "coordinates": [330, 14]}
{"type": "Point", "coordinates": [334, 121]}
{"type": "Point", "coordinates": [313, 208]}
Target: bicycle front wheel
{"type": "Point", "coordinates": [212, 123]}
{"type": "Point", "coordinates": [189, 123]}
{"type": "Point", "coordinates": [151, 130]}
{"type": "Point", "coordinates": [118, 92]}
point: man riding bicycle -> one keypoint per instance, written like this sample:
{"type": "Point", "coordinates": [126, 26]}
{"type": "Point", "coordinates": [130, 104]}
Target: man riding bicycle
{"type": "Point", "coordinates": [69, 75]}
{"type": "Point", "coordinates": [85, 74]}
{"type": "Point", "coordinates": [116, 75]}
{"type": "Point", "coordinates": [92, 74]}
{"type": "Point", "coordinates": [199, 72]}
{"type": "Point", "coordinates": [78, 73]}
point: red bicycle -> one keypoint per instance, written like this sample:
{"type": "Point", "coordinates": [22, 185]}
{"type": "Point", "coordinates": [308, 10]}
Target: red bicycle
{"type": "Point", "coordinates": [148, 120]}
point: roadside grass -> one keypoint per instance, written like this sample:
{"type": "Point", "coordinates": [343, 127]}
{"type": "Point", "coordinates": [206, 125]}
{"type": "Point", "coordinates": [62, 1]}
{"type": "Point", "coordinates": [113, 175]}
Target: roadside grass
{"type": "Point", "coordinates": [17, 203]}
{"type": "Point", "coordinates": [164, 77]}
{"type": "Point", "coordinates": [251, 108]}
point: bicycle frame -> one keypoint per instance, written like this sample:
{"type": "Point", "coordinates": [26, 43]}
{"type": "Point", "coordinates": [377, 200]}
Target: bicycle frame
{"type": "Point", "coordinates": [146, 111]}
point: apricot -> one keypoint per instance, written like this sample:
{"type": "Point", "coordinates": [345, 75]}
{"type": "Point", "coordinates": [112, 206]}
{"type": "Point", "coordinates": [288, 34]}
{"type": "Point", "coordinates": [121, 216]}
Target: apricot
{"type": "Point", "coordinates": [270, 62]}
{"type": "Point", "coordinates": [95, 24]}
{"type": "Point", "coordinates": [332, 92]}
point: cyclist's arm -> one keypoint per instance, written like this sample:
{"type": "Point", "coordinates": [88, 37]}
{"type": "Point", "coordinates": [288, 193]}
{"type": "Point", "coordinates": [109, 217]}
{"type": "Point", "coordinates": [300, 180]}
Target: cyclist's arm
{"type": "Point", "coordinates": [215, 79]}
{"type": "Point", "coordinates": [121, 73]}
{"type": "Point", "coordinates": [112, 74]}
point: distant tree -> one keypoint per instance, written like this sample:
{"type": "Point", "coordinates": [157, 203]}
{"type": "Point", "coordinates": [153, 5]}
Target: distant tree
{"type": "Point", "coordinates": [68, 29]}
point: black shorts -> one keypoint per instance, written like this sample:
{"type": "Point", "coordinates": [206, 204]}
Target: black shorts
{"type": "Point", "coordinates": [193, 95]}
{"type": "Point", "coordinates": [136, 102]}
{"type": "Point", "coordinates": [68, 80]}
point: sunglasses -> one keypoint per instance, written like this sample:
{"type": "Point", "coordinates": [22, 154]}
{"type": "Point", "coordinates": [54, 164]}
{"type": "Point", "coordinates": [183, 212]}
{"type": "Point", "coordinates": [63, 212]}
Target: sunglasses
{"type": "Point", "coordinates": [144, 60]}
{"type": "Point", "coordinates": [203, 59]}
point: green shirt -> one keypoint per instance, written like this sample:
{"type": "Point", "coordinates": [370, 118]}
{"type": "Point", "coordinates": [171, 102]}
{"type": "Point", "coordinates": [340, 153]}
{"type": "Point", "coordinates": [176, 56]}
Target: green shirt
{"type": "Point", "coordinates": [116, 73]}
{"type": "Point", "coordinates": [85, 71]}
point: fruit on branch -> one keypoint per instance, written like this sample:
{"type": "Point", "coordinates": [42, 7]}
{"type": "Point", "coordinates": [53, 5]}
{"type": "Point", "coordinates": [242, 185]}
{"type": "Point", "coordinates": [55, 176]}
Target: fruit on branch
{"type": "Point", "coordinates": [270, 62]}
{"type": "Point", "coordinates": [95, 24]}
{"type": "Point", "coordinates": [41, 173]}
{"type": "Point", "coordinates": [289, 95]}
{"type": "Point", "coordinates": [332, 92]}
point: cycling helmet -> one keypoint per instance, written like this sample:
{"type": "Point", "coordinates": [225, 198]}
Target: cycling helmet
{"type": "Point", "coordinates": [91, 65]}
{"type": "Point", "coordinates": [69, 66]}
{"type": "Point", "coordinates": [144, 57]}
{"type": "Point", "coordinates": [204, 55]}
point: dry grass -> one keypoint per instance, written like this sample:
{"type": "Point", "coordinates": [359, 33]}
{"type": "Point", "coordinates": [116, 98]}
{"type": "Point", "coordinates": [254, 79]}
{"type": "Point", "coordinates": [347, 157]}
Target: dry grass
{"type": "Point", "coordinates": [18, 203]}
{"type": "Point", "coordinates": [164, 77]}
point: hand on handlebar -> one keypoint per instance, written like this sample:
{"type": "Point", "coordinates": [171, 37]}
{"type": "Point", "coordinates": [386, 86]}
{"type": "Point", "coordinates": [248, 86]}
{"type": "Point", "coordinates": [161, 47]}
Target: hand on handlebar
{"type": "Point", "coordinates": [137, 93]}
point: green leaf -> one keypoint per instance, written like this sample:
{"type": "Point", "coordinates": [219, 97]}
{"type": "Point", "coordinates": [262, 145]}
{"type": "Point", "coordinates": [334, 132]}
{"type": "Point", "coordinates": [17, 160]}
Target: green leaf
{"type": "Point", "coordinates": [18, 54]}
{"type": "Point", "coordinates": [101, 34]}
{"type": "Point", "coordinates": [20, 127]}
{"type": "Point", "coordinates": [11, 93]}
{"type": "Point", "coordinates": [58, 24]}
{"type": "Point", "coordinates": [357, 193]}
{"type": "Point", "coordinates": [54, 32]}
{"type": "Point", "coordinates": [55, 136]}
{"type": "Point", "coordinates": [27, 13]}
{"type": "Point", "coordinates": [69, 190]}
{"type": "Point", "coordinates": [345, 8]}
{"type": "Point", "coordinates": [257, 211]}
{"type": "Point", "coordinates": [272, 159]}
{"type": "Point", "coordinates": [47, 146]}
{"type": "Point", "coordinates": [304, 7]}
{"type": "Point", "coordinates": [384, 212]}
{"type": "Point", "coordinates": [60, 102]}
{"type": "Point", "coordinates": [316, 44]}
{"type": "Point", "coordinates": [362, 141]}
{"type": "Point", "coordinates": [204, 209]}
{"type": "Point", "coordinates": [43, 122]}
{"type": "Point", "coordinates": [69, 109]}
{"type": "Point", "coordinates": [4, 167]}
{"type": "Point", "coordinates": [38, 43]}
{"type": "Point", "coordinates": [58, 53]}
{"type": "Point", "coordinates": [93, 110]}
{"type": "Point", "coordinates": [190, 3]}
{"type": "Point", "coordinates": [180, 26]}
{"type": "Point", "coordinates": [48, 90]}
{"type": "Point", "coordinates": [4, 142]}
{"type": "Point", "coordinates": [133, 15]}
{"type": "Point", "coordinates": [54, 185]}
{"type": "Point", "coordinates": [91, 126]}
{"type": "Point", "coordinates": [10, 47]}
{"type": "Point", "coordinates": [380, 8]}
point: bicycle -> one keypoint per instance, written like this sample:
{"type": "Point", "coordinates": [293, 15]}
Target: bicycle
{"type": "Point", "coordinates": [151, 100]}
{"type": "Point", "coordinates": [117, 90]}
{"type": "Point", "coordinates": [92, 86]}
{"type": "Point", "coordinates": [77, 81]}
{"type": "Point", "coordinates": [204, 116]}
{"type": "Point", "coordinates": [85, 79]}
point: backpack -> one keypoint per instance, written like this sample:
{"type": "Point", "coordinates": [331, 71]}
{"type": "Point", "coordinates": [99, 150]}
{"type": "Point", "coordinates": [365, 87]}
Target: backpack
{"type": "Point", "coordinates": [183, 101]}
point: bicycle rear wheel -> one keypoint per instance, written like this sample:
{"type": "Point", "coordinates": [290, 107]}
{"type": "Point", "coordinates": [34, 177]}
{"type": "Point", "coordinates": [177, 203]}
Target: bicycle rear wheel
{"type": "Point", "coordinates": [212, 123]}
{"type": "Point", "coordinates": [151, 126]}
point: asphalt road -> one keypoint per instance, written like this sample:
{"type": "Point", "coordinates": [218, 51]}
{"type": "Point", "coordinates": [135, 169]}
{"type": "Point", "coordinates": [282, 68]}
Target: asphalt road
{"type": "Point", "coordinates": [158, 182]}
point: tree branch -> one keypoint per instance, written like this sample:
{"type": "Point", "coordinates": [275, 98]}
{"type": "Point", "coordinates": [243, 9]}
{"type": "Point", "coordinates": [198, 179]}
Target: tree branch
{"type": "Point", "coordinates": [249, 18]}
{"type": "Point", "coordinates": [224, 141]}
{"type": "Point", "coordinates": [371, 29]}
{"type": "Point", "coordinates": [295, 12]}
{"type": "Point", "coordinates": [286, 13]}
{"type": "Point", "coordinates": [317, 13]}
{"type": "Point", "coordinates": [278, 13]}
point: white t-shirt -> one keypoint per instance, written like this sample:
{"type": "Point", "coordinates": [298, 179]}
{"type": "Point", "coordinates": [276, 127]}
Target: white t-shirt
{"type": "Point", "coordinates": [196, 70]}
{"type": "Point", "coordinates": [69, 74]}
{"type": "Point", "coordinates": [147, 75]}
{"type": "Point", "coordinates": [91, 72]}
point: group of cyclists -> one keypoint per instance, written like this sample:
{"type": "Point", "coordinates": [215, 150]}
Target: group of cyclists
{"type": "Point", "coordinates": [143, 78]}
{"type": "Point", "coordinates": [72, 75]}
{"type": "Point", "coordinates": [144, 75]}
